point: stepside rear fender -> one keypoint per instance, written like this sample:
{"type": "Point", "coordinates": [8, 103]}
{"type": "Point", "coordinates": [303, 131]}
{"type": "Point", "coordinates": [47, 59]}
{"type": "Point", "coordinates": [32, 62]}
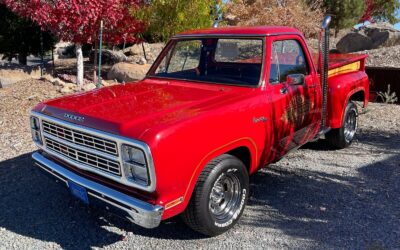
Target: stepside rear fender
{"type": "Point", "coordinates": [342, 89]}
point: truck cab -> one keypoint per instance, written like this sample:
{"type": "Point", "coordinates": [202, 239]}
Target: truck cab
{"type": "Point", "coordinates": [216, 106]}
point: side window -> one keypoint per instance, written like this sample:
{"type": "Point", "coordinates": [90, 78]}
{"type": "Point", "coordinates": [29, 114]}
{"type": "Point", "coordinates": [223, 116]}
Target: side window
{"type": "Point", "coordinates": [287, 58]}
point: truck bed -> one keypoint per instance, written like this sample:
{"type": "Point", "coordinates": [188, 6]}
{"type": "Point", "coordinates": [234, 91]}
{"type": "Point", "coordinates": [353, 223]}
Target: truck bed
{"type": "Point", "coordinates": [344, 63]}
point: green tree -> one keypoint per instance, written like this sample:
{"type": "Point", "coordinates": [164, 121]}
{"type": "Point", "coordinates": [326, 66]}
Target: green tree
{"type": "Point", "coordinates": [345, 13]}
{"type": "Point", "coordinates": [164, 18]}
{"type": "Point", "coordinates": [21, 37]}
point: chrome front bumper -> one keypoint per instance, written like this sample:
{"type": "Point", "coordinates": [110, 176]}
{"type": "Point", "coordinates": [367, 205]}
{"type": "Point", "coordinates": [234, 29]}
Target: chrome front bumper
{"type": "Point", "coordinates": [137, 211]}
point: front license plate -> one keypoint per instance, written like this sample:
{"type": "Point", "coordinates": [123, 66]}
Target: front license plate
{"type": "Point", "coordinates": [78, 191]}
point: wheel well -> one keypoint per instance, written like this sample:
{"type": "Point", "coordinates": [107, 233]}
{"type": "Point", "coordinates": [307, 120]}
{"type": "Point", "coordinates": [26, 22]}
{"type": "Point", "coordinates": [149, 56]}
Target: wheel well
{"type": "Point", "coordinates": [243, 154]}
{"type": "Point", "coordinates": [358, 96]}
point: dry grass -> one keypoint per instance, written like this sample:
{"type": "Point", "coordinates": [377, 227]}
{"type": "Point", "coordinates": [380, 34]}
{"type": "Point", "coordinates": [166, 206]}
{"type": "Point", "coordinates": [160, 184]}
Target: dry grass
{"type": "Point", "coordinates": [293, 13]}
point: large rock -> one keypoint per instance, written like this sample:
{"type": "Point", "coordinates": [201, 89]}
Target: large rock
{"type": "Point", "coordinates": [109, 57]}
{"type": "Point", "coordinates": [382, 34]}
{"type": "Point", "coordinates": [371, 36]}
{"type": "Point", "coordinates": [135, 52]}
{"type": "Point", "coordinates": [64, 50]}
{"type": "Point", "coordinates": [13, 74]}
{"type": "Point", "coordinates": [128, 72]}
{"type": "Point", "coordinates": [354, 42]}
{"type": "Point", "coordinates": [88, 87]}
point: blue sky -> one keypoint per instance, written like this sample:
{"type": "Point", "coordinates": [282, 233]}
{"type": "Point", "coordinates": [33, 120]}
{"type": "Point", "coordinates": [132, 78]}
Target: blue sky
{"type": "Point", "coordinates": [398, 16]}
{"type": "Point", "coordinates": [398, 24]}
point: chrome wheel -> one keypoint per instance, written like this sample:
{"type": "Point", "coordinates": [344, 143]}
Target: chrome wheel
{"type": "Point", "coordinates": [225, 198]}
{"type": "Point", "coordinates": [350, 125]}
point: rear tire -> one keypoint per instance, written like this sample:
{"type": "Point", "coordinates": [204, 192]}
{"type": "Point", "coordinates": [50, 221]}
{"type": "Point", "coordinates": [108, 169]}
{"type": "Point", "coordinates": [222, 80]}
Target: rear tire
{"type": "Point", "coordinates": [219, 197]}
{"type": "Point", "coordinates": [342, 137]}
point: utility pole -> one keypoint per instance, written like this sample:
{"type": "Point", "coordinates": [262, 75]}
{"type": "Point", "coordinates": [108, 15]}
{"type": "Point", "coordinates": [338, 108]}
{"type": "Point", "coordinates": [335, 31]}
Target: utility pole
{"type": "Point", "coordinates": [100, 49]}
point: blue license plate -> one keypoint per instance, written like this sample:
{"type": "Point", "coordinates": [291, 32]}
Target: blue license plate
{"type": "Point", "coordinates": [78, 191]}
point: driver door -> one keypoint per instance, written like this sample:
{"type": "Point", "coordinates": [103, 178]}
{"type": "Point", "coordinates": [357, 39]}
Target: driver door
{"type": "Point", "coordinates": [293, 102]}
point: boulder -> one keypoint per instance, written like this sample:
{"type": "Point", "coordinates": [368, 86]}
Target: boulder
{"type": "Point", "coordinates": [66, 90]}
{"type": "Point", "coordinates": [88, 87]}
{"type": "Point", "coordinates": [109, 57]}
{"type": "Point", "coordinates": [142, 61]}
{"type": "Point", "coordinates": [371, 36]}
{"type": "Point", "coordinates": [64, 50]}
{"type": "Point", "coordinates": [54, 80]}
{"type": "Point", "coordinates": [353, 42]}
{"type": "Point", "coordinates": [382, 34]}
{"type": "Point", "coordinates": [134, 50]}
{"type": "Point", "coordinates": [152, 51]}
{"type": "Point", "coordinates": [127, 72]}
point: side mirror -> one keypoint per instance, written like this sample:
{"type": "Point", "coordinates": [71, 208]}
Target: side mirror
{"type": "Point", "coordinates": [295, 79]}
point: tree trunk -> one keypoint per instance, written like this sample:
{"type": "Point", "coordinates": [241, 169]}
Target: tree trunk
{"type": "Point", "coordinates": [22, 58]}
{"type": "Point", "coordinates": [79, 65]}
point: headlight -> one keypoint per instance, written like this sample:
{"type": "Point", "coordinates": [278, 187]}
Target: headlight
{"type": "Point", "coordinates": [35, 123]}
{"type": "Point", "coordinates": [135, 165]}
{"type": "Point", "coordinates": [35, 127]}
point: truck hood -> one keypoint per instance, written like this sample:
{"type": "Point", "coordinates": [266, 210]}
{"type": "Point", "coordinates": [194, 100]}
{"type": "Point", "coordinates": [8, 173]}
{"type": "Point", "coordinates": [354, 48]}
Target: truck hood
{"type": "Point", "coordinates": [132, 109]}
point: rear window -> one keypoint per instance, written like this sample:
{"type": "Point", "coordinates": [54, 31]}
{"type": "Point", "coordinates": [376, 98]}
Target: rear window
{"type": "Point", "coordinates": [239, 51]}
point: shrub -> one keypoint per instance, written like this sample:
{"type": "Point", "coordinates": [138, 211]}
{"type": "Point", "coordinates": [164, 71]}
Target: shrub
{"type": "Point", "coordinates": [306, 18]}
{"type": "Point", "coordinates": [388, 96]}
{"type": "Point", "coordinates": [166, 18]}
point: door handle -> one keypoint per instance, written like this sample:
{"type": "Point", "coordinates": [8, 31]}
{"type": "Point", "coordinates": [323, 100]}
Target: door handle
{"type": "Point", "coordinates": [284, 90]}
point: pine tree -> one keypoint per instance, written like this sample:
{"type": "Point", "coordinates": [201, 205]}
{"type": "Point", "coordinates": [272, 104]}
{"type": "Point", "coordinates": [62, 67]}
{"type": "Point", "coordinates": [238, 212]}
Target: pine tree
{"type": "Point", "coordinates": [345, 13]}
{"type": "Point", "coordinates": [21, 37]}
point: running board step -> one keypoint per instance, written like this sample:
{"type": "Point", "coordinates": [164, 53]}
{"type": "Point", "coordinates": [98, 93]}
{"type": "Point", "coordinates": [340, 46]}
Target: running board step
{"type": "Point", "coordinates": [321, 134]}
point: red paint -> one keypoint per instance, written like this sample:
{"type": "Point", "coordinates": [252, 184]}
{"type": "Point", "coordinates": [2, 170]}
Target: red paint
{"type": "Point", "coordinates": [186, 124]}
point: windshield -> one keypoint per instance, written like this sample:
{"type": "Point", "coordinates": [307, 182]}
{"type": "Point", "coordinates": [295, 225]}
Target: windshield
{"type": "Point", "coordinates": [213, 60]}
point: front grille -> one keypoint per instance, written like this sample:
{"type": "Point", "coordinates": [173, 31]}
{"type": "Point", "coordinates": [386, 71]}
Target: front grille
{"type": "Point", "coordinates": [89, 159]}
{"type": "Point", "coordinates": [80, 138]}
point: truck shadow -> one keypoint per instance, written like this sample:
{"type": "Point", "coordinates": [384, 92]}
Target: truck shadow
{"type": "Point", "coordinates": [34, 206]}
{"type": "Point", "coordinates": [360, 211]}
{"type": "Point", "coordinates": [332, 209]}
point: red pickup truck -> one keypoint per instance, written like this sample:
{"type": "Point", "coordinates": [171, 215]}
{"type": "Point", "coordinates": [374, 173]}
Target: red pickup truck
{"type": "Point", "coordinates": [217, 105]}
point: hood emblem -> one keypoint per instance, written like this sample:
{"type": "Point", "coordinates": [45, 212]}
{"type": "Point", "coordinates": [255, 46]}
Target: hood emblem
{"type": "Point", "coordinates": [74, 117]}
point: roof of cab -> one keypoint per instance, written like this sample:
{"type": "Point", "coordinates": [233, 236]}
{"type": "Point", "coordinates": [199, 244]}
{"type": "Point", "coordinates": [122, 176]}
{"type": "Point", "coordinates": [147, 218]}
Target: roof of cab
{"type": "Point", "coordinates": [243, 31]}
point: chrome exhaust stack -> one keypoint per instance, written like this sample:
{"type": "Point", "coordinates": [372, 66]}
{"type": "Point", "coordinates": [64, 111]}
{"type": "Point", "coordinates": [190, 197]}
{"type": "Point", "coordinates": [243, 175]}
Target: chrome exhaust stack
{"type": "Point", "coordinates": [324, 68]}
{"type": "Point", "coordinates": [217, 20]}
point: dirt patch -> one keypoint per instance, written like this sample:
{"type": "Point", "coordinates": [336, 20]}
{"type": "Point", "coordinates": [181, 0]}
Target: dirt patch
{"type": "Point", "coordinates": [16, 101]}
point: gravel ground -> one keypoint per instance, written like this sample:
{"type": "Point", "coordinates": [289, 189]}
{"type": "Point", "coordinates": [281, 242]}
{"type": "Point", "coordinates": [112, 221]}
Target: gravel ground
{"type": "Point", "coordinates": [316, 198]}
{"type": "Point", "coordinates": [388, 57]}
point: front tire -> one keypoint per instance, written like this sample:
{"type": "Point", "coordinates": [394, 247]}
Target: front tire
{"type": "Point", "coordinates": [342, 137]}
{"type": "Point", "coordinates": [219, 197]}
